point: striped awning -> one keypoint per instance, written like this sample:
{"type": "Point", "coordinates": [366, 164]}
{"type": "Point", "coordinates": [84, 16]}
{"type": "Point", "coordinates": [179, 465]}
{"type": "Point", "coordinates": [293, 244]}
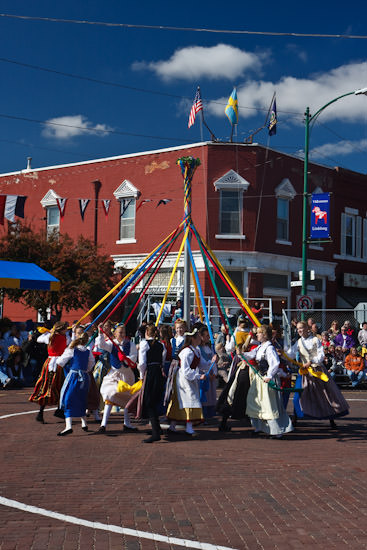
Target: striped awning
{"type": "Point", "coordinates": [26, 276]}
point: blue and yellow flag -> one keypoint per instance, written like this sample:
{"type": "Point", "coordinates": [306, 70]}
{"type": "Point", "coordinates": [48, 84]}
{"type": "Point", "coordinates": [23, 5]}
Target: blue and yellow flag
{"type": "Point", "coordinates": [232, 108]}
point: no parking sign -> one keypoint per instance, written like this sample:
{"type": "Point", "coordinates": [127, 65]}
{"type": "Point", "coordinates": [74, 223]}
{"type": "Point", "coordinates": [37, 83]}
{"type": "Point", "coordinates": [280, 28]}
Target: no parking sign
{"type": "Point", "coordinates": [304, 302]}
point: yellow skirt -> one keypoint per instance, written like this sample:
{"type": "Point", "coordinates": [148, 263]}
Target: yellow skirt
{"type": "Point", "coordinates": [181, 416]}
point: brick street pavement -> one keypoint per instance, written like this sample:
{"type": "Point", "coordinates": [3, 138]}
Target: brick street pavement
{"type": "Point", "coordinates": [305, 491]}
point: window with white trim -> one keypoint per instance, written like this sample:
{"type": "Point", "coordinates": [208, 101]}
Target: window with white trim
{"type": "Point", "coordinates": [283, 219]}
{"type": "Point", "coordinates": [351, 234]}
{"type": "Point", "coordinates": [284, 193]}
{"type": "Point", "coordinates": [127, 218]}
{"type": "Point", "coordinates": [231, 187]}
{"type": "Point", "coordinates": [230, 212]}
{"type": "Point", "coordinates": [52, 213]}
{"type": "Point", "coordinates": [53, 220]}
{"type": "Point", "coordinates": [127, 194]}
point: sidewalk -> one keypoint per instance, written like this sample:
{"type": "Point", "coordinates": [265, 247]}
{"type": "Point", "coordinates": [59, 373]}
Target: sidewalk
{"type": "Point", "coordinates": [305, 491]}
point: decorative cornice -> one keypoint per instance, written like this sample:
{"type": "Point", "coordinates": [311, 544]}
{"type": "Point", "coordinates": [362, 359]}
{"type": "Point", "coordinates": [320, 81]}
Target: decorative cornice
{"type": "Point", "coordinates": [231, 180]}
{"type": "Point", "coordinates": [285, 190]}
{"type": "Point", "coordinates": [126, 189]}
{"type": "Point", "coordinates": [50, 199]}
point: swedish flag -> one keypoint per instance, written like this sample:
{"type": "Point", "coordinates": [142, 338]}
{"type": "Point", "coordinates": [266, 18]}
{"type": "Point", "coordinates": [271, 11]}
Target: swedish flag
{"type": "Point", "coordinates": [232, 108]}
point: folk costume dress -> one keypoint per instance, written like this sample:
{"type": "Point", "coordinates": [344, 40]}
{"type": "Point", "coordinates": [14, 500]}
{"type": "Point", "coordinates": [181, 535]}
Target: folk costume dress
{"type": "Point", "coordinates": [264, 403]}
{"type": "Point", "coordinates": [319, 399]}
{"type": "Point", "coordinates": [74, 392]}
{"type": "Point", "coordinates": [185, 405]}
{"type": "Point", "coordinates": [49, 383]}
{"type": "Point", "coordinates": [118, 372]}
{"type": "Point", "coordinates": [232, 401]}
{"type": "Point", "coordinates": [209, 397]}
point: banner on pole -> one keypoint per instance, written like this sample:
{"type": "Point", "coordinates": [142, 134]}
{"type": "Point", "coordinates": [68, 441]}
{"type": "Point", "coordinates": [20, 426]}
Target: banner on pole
{"type": "Point", "coordinates": [320, 216]}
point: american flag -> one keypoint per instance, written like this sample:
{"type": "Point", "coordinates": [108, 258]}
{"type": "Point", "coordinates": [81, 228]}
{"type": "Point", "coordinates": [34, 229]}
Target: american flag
{"type": "Point", "coordinates": [196, 107]}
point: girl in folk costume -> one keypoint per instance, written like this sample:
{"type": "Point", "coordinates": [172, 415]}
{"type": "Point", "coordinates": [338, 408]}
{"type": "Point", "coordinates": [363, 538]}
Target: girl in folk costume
{"type": "Point", "coordinates": [120, 371]}
{"type": "Point", "coordinates": [185, 406]}
{"type": "Point", "coordinates": [165, 336]}
{"type": "Point", "coordinates": [264, 403]}
{"type": "Point", "coordinates": [48, 385]}
{"type": "Point", "coordinates": [178, 340]}
{"type": "Point", "coordinates": [93, 391]}
{"type": "Point", "coordinates": [232, 400]}
{"type": "Point", "coordinates": [209, 397]}
{"type": "Point", "coordinates": [321, 397]}
{"type": "Point", "coordinates": [74, 392]}
{"type": "Point", "coordinates": [151, 360]}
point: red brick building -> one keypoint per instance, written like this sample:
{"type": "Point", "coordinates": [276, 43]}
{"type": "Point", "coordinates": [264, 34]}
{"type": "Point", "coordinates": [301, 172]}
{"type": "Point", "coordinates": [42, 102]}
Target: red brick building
{"type": "Point", "coordinates": [247, 204]}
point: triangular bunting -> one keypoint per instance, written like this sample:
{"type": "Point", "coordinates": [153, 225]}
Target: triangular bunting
{"type": "Point", "coordinates": [106, 203]}
{"type": "Point", "coordinates": [10, 204]}
{"type": "Point", "coordinates": [61, 204]}
{"type": "Point", "coordinates": [143, 202]}
{"type": "Point", "coordinates": [83, 203]}
{"type": "Point", "coordinates": [19, 207]}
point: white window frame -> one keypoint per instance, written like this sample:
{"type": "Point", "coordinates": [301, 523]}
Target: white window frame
{"type": "Point", "coordinates": [284, 191]}
{"type": "Point", "coordinates": [126, 192]}
{"type": "Point", "coordinates": [49, 201]}
{"type": "Point", "coordinates": [233, 182]}
{"type": "Point", "coordinates": [359, 240]}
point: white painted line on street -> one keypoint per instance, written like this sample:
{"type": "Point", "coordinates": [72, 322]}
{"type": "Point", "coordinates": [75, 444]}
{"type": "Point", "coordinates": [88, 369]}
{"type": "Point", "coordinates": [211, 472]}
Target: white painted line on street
{"type": "Point", "coordinates": [111, 528]}
{"type": "Point", "coordinates": [28, 412]}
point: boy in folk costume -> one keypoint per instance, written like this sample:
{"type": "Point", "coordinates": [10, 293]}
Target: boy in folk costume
{"type": "Point", "coordinates": [74, 392]}
{"type": "Point", "coordinates": [120, 371]}
{"type": "Point", "coordinates": [48, 385]}
{"type": "Point", "coordinates": [185, 406]}
{"type": "Point", "coordinates": [151, 360]}
{"type": "Point", "coordinates": [321, 397]}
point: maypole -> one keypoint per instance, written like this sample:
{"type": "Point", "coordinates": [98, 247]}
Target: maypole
{"type": "Point", "coordinates": [188, 167]}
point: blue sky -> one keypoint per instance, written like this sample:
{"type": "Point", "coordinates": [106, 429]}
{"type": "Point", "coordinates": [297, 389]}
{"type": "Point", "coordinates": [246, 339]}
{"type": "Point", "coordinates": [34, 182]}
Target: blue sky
{"type": "Point", "coordinates": [166, 66]}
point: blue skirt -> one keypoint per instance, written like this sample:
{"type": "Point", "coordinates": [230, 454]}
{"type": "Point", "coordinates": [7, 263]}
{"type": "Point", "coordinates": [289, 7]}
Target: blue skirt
{"type": "Point", "coordinates": [74, 395]}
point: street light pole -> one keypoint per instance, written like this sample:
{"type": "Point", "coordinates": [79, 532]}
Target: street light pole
{"type": "Point", "coordinates": [308, 120]}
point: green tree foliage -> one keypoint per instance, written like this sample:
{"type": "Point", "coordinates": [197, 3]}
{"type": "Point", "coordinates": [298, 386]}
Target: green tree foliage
{"type": "Point", "coordinates": [84, 273]}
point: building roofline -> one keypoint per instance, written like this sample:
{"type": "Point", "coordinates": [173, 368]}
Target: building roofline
{"type": "Point", "coordinates": [166, 150]}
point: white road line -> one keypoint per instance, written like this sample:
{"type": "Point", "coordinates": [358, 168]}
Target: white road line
{"type": "Point", "coordinates": [111, 528]}
{"type": "Point", "coordinates": [27, 412]}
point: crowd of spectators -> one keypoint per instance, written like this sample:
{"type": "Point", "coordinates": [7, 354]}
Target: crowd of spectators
{"type": "Point", "coordinates": [345, 349]}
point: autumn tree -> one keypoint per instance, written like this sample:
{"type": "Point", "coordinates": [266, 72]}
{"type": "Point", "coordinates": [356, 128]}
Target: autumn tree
{"type": "Point", "coordinates": [84, 273]}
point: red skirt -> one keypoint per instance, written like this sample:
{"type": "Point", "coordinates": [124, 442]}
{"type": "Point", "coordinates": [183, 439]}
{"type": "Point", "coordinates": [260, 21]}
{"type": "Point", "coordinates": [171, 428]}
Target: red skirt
{"type": "Point", "coordinates": [48, 386]}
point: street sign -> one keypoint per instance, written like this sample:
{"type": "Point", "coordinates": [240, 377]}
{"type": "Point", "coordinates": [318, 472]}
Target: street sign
{"type": "Point", "coordinates": [296, 283]}
{"type": "Point", "coordinates": [304, 302]}
{"type": "Point", "coordinates": [360, 312]}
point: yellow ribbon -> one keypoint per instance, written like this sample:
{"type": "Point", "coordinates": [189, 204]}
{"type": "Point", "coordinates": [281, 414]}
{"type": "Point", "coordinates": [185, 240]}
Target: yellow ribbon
{"type": "Point", "coordinates": [316, 373]}
{"type": "Point", "coordinates": [125, 387]}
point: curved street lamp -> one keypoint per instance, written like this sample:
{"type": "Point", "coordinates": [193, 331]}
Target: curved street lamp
{"type": "Point", "coordinates": [308, 120]}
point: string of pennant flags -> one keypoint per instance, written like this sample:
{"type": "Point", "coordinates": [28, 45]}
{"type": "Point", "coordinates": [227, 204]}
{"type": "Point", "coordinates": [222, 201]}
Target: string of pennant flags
{"type": "Point", "coordinates": [11, 206]}
{"type": "Point", "coordinates": [106, 203]}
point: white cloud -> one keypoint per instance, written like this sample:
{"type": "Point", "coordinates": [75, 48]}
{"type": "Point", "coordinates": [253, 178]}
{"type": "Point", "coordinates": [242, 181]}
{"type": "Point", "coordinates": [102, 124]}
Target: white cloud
{"type": "Point", "coordinates": [67, 127]}
{"type": "Point", "coordinates": [220, 61]}
{"type": "Point", "coordinates": [341, 148]}
{"type": "Point", "coordinates": [295, 94]}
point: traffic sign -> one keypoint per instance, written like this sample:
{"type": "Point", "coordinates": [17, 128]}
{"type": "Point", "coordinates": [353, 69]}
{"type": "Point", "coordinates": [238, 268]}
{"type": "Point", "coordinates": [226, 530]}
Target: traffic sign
{"type": "Point", "coordinates": [304, 302]}
{"type": "Point", "coordinates": [296, 283]}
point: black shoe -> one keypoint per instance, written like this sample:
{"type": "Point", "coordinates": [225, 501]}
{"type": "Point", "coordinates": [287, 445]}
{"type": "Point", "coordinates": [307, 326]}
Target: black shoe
{"type": "Point", "coordinates": [66, 432]}
{"type": "Point", "coordinates": [59, 413]}
{"type": "Point", "coordinates": [85, 428]}
{"type": "Point", "coordinates": [128, 429]}
{"type": "Point", "coordinates": [39, 417]}
{"type": "Point", "coordinates": [255, 434]}
{"type": "Point", "coordinates": [333, 426]}
{"type": "Point", "coordinates": [151, 439]}
{"type": "Point", "coordinates": [101, 430]}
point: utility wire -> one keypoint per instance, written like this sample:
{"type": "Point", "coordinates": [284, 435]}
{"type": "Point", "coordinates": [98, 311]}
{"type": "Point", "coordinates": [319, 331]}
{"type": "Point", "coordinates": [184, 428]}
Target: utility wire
{"type": "Point", "coordinates": [127, 87]}
{"type": "Point", "coordinates": [187, 29]}
{"type": "Point", "coordinates": [90, 130]}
